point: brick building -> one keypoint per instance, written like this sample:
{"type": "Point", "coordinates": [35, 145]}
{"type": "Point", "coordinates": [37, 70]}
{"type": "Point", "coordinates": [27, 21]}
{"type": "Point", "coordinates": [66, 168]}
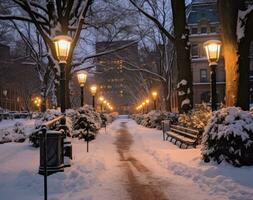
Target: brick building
{"type": "Point", "coordinates": [203, 23]}
{"type": "Point", "coordinates": [18, 81]}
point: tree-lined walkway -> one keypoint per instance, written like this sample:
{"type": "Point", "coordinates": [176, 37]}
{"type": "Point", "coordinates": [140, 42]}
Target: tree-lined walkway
{"type": "Point", "coordinates": [141, 184]}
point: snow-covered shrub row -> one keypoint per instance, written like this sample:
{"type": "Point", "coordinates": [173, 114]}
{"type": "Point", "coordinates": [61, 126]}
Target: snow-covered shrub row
{"type": "Point", "coordinates": [78, 119]}
{"type": "Point", "coordinates": [197, 118]}
{"type": "Point", "coordinates": [229, 137]}
{"type": "Point", "coordinates": [13, 134]}
{"type": "Point", "coordinates": [154, 118]}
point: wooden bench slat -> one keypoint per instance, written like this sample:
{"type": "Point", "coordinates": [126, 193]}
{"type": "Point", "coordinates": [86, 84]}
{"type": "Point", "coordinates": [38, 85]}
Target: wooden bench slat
{"type": "Point", "coordinates": [196, 132]}
{"type": "Point", "coordinates": [181, 138]}
{"type": "Point", "coordinates": [183, 133]}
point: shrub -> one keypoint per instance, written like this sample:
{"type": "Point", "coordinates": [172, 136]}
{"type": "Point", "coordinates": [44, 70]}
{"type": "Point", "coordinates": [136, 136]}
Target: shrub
{"type": "Point", "coordinates": [154, 118]}
{"type": "Point", "coordinates": [229, 136]}
{"type": "Point", "coordinates": [197, 118]}
{"type": "Point", "coordinates": [16, 134]}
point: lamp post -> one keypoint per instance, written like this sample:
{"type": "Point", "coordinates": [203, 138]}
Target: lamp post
{"type": "Point", "coordinates": [62, 47]}
{"type": "Point", "coordinates": [212, 48]}
{"type": "Point", "coordinates": [18, 102]}
{"type": "Point", "coordinates": [5, 92]}
{"type": "Point", "coordinates": [101, 99]}
{"type": "Point", "coordinates": [93, 90]}
{"type": "Point", "coordinates": [105, 102]}
{"type": "Point", "coordinates": [82, 77]}
{"type": "Point", "coordinates": [143, 107]}
{"type": "Point", "coordinates": [147, 102]}
{"type": "Point", "coordinates": [37, 102]}
{"type": "Point", "coordinates": [154, 95]}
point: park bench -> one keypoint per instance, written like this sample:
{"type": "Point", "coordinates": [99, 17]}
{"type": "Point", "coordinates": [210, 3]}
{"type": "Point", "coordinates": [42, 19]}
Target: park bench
{"type": "Point", "coordinates": [176, 133]}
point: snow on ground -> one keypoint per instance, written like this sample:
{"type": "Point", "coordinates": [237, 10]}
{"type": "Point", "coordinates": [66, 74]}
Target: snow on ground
{"type": "Point", "coordinates": [217, 181]}
{"type": "Point", "coordinates": [97, 175]}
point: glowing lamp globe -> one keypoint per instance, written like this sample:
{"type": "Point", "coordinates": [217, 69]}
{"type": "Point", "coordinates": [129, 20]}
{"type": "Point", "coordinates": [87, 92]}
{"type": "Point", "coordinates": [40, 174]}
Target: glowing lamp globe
{"type": "Point", "coordinates": [62, 45]}
{"type": "Point", "coordinates": [154, 94]}
{"type": "Point", "coordinates": [212, 48]}
{"type": "Point", "coordinates": [82, 77]}
{"type": "Point", "coordinates": [101, 99]}
{"type": "Point", "coordinates": [93, 89]}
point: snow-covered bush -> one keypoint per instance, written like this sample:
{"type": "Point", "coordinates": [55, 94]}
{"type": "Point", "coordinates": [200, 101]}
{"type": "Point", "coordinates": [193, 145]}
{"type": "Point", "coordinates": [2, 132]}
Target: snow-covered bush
{"type": "Point", "coordinates": [15, 134]}
{"type": "Point", "coordinates": [229, 136]}
{"type": "Point", "coordinates": [197, 118]}
{"type": "Point", "coordinates": [77, 120]}
{"type": "Point", "coordinates": [154, 118]}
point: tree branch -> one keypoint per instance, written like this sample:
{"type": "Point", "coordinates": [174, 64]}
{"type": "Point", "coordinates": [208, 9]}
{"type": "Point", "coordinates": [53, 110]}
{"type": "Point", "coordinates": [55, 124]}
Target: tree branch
{"type": "Point", "coordinates": [152, 18]}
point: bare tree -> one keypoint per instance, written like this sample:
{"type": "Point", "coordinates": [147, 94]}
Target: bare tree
{"type": "Point", "coordinates": [180, 38]}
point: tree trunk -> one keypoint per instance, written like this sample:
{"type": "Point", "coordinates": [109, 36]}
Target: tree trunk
{"type": "Point", "coordinates": [185, 92]}
{"type": "Point", "coordinates": [236, 53]}
{"type": "Point", "coordinates": [166, 94]}
{"type": "Point", "coordinates": [228, 11]}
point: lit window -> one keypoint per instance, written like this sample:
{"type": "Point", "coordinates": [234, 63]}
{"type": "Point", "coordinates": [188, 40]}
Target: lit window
{"type": "Point", "coordinates": [203, 75]}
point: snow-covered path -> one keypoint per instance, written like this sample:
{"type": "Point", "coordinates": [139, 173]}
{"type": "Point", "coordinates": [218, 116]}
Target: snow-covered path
{"type": "Point", "coordinates": [127, 162]}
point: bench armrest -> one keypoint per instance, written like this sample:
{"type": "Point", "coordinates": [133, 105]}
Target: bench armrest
{"type": "Point", "coordinates": [166, 125]}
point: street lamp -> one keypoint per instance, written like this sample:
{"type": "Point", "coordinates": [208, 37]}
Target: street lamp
{"type": "Point", "coordinates": [62, 47]}
{"type": "Point", "coordinates": [105, 102]}
{"type": "Point", "coordinates": [82, 77]}
{"type": "Point", "coordinates": [5, 92]}
{"type": "Point", "coordinates": [143, 107]}
{"type": "Point", "coordinates": [37, 102]}
{"type": "Point", "coordinates": [154, 95]}
{"type": "Point", "coordinates": [212, 48]}
{"type": "Point", "coordinates": [147, 102]}
{"type": "Point", "coordinates": [101, 99]}
{"type": "Point", "coordinates": [93, 90]}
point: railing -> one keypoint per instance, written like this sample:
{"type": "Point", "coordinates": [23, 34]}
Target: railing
{"type": "Point", "coordinates": [53, 122]}
{"type": "Point", "coordinates": [49, 125]}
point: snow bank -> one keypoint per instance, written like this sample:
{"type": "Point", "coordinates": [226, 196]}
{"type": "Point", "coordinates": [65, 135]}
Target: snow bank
{"type": "Point", "coordinates": [15, 130]}
{"type": "Point", "coordinates": [221, 182]}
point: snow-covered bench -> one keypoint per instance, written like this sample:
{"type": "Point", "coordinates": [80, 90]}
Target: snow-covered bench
{"type": "Point", "coordinates": [177, 133]}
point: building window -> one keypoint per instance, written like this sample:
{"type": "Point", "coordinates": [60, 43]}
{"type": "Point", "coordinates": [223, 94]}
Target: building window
{"type": "Point", "coordinates": [194, 30]}
{"type": "Point", "coordinates": [203, 75]}
{"type": "Point", "coordinates": [212, 29]}
{"type": "Point", "coordinates": [194, 51]}
{"type": "Point", "coordinates": [203, 30]}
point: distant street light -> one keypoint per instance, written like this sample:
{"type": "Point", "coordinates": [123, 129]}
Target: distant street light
{"type": "Point", "coordinates": [101, 99]}
{"type": "Point", "coordinates": [154, 95]}
{"type": "Point", "coordinates": [93, 90]}
{"type": "Point", "coordinates": [105, 102]}
{"type": "Point", "coordinates": [62, 47]}
{"type": "Point", "coordinates": [18, 102]}
{"type": "Point", "coordinates": [82, 77]}
{"type": "Point", "coordinates": [212, 48]}
{"type": "Point", "coordinates": [143, 107]}
{"type": "Point", "coordinates": [5, 92]}
{"type": "Point", "coordinates": [37, 102]}
{"type": "Point", "coordinates": [147, 102]}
